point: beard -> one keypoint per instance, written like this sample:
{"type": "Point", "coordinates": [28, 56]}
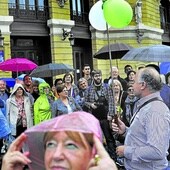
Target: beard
{"type": "Point", "coordinates": [97, 82]}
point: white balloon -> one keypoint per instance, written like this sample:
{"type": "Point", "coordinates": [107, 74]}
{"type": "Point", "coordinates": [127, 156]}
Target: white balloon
{"type": "Point", "coordinates": [96, 17]}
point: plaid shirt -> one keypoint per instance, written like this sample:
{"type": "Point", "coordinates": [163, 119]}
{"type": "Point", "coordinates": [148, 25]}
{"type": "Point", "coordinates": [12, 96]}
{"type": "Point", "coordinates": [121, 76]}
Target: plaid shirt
{"type": "Point", "coordinates": [106, 91]}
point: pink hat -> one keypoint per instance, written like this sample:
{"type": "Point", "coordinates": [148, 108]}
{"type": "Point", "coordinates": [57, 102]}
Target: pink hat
{"type": "Point", "coordinates": [77, 121]}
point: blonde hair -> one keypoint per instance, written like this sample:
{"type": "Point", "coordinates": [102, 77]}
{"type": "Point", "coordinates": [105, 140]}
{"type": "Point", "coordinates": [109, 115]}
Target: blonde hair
{"type": "Point", "coordinates": [115, 81]}
{"type": "Point", "coordinates": [81, 80]}
{"type": "Point", "coordinates": [79, 137]}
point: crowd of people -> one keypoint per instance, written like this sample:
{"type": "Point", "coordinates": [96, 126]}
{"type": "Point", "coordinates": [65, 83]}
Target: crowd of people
{"type": "Point", "coordinates": [123, 121]}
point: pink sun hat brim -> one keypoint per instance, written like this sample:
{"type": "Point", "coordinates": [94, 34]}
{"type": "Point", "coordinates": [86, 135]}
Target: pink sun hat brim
{"type": "Point", "coordinates": [77, 121]}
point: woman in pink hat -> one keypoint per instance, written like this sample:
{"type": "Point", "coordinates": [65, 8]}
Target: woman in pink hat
{"type": "Point", "coordinates": [67, 142]}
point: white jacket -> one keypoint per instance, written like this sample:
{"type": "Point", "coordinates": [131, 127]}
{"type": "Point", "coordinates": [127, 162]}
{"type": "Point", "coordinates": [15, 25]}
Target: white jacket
{"type": "Point", "coordinates": [12, 109]}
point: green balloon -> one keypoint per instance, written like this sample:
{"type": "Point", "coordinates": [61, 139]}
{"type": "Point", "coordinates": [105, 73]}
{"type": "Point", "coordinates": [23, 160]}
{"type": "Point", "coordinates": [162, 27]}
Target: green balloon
{"type": "Point", "coordinates": [117, 13]}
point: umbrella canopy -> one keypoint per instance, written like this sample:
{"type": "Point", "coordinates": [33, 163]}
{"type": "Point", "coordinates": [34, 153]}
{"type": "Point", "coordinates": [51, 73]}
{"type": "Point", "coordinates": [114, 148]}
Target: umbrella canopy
{"type": "Point", "coordinates": [164, 67]}
{"type": "Point", "coordinates": [154, 53]}
{"type": "Point", "coordinates": [117, 51]}
{"type": "Point", "coordinates": [20, 77]}
{"type": "Point", "coordinates": [9, 81]}
{"type": "Point", "coordinates": [51, 69]}
{"type": "Point", "coordinates": [17, 64]}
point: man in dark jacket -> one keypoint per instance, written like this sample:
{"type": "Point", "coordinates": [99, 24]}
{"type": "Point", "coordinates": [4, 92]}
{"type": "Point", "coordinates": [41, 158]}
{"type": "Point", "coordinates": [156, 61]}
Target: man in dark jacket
{"type": "Point", "coordinates": [99, 101]}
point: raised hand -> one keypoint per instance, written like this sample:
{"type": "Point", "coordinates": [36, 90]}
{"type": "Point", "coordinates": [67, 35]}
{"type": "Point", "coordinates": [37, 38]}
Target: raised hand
{"type": "Point", "coordinates": [14, 159]}
{"type": "Point", "coordinates": [102, 160]}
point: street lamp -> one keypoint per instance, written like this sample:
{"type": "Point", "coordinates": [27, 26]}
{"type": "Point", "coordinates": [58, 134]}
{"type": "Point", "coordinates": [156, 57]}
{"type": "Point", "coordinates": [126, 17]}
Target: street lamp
{"type": "Point", "coordinates": [61, 3]}
{"type": "Point", "coordinates": [1, 40]}
{"type": "Point", "coordinates": [69, 35]}
{"type": "Point", "coordinates": [71, 39]}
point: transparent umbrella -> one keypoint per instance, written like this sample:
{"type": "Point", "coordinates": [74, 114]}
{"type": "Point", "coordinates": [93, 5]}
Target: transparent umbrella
{"type": "Point", "coordinates": [154, 53]}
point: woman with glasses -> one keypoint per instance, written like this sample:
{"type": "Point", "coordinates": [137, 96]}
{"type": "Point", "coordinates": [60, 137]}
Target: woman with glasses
{"type": "Point", "coordinates": [130, 104]}
{"type": "Point", "coordinates": [82, 85]}
{"type": "Point", "coordinates": [64, 104]}
{"type": "Point", "coordinates": [73, 90]}
{"type": "Point", "coordinates": [131, 76]}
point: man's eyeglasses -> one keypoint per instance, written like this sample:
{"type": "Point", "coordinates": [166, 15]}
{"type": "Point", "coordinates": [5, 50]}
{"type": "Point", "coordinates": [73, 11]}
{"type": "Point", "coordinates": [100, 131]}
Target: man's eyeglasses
{"type": "Point", "coordinates": [130, 90]}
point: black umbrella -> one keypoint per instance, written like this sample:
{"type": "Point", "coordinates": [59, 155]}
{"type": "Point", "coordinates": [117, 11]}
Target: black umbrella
{"type": "Point", "coordinates": [118, 50]}
{"type": "Point", "coordinates": [112, 51]}
{"type": "Point", "coordinates": [51, 69]}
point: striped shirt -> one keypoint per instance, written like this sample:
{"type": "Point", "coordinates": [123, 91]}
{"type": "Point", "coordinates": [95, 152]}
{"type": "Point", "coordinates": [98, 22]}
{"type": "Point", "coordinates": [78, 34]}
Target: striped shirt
{"type": "Point", "coordinates": [147, 139]}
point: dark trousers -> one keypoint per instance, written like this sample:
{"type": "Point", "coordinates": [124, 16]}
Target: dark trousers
{"type": "Point", "coordinates": [101, 114]}
{"type": "Point", "coordinates": [20, 129]}
{"type": "Point", "coordinates": [110, 141]}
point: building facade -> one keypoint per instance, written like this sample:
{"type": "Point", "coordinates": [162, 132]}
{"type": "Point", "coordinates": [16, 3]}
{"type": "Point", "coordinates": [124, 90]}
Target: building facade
{"type": "Point", "coordinates": [42, 30]}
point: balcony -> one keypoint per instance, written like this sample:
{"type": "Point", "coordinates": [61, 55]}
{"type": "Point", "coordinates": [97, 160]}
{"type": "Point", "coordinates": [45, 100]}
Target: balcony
{"type": "Point", "coordinates": [29, 12]}
{"type": "Point", "coordinates": [80, 18]}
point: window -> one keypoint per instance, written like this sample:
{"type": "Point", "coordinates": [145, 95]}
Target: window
{"type": "Point", "coordinates": [22, 4]}
{"type": "Point", "coordinates": [76, 7]}
{"type": "Point", "coordinates": [41, 5]}
{"type": "Point", "coordinates": [79, 8]}
{"type": "Point", "coordinates": [12, 1]}
{"type": "Point", "coordinates": [31, 5]}
{"type": "Point", "coordinates": [12, 4]}
{"type": "Point", "coordinates": [79, 11]}
{"type": "Point", "coordinates": [30, 9]}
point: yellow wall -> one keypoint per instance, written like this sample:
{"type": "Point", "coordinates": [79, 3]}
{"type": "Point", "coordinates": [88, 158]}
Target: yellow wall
{"type": "Point", "coordinates": [58, 12]}
{"type": "Point", "coordinates": [150, 17]}
{"type": "Point", "coordinates": [3, 7]}
{"type": "Point", "coordinates": [61, 51]}
{"type": "Point", "coordinates": [6, 48]}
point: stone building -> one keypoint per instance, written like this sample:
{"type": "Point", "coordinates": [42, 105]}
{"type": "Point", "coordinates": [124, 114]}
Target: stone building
{"type": "Point", "coordinates": [42, 30]}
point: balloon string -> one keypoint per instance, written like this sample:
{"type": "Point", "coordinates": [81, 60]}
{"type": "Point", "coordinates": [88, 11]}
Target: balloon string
{"type": "Point", "coordinates": [110, 59]}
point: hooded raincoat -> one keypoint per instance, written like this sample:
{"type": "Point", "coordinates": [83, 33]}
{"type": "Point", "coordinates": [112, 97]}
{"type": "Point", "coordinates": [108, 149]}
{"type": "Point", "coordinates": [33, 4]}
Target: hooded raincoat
{"type": "Point", "coordinates": [42, 106]}
{"type": "Point", "coordinates": [12, 109]}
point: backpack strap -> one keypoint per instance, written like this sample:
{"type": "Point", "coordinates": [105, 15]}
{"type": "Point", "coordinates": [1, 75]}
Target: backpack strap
{"type": "Point", "coordinates": [144, 104]}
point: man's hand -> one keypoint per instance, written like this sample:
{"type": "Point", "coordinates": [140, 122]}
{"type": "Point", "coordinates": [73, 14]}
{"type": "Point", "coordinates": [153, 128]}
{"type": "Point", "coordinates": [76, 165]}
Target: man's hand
{"type": "Point", "coordinates": [118, 127]}
{"type": "Point", "coordinates": [120, 150]}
